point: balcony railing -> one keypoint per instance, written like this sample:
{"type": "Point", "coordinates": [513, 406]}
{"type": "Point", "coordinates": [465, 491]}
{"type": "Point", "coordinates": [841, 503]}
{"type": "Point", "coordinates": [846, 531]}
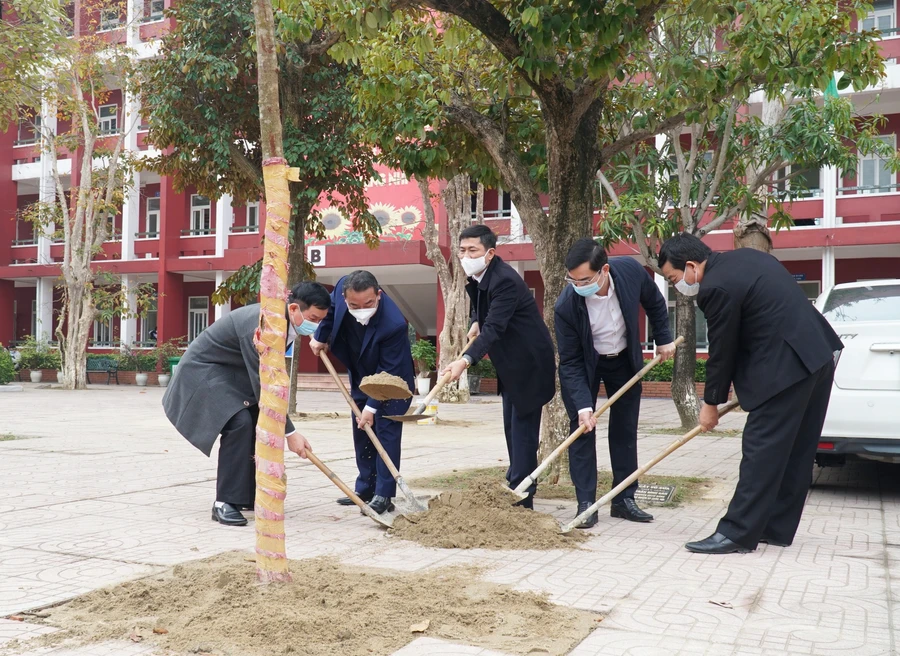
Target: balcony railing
{"type": "Point", "coordinates": [147, 235]}
{"type": "Point", "coordinates": [26, 142]}
{"type": "Point", "coordinates": [868, 189]}
{"type": "Point", "coordinates": [244, 228]}
{"type": "Point", "coordinates": [196, 232]}
{"type": "Point", "coordinates": [494, 214]}
{"type": "Point", "coordinates": [31, 241]}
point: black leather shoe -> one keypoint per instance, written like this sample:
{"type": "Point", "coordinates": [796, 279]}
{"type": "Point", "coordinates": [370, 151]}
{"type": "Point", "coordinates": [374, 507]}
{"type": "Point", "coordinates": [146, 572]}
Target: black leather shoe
{"type": "Point", "coordinates": [380, 504]}
{"type": "Point", "coordinates": [716, 544]}
{"type": "Point", "coordinates": [628, 509]}
{"type": "Point", "coordinates": [250, 507]}
{"type": "Point", "coordinates": [591, 520]}
{"type": "Point", "coordinates": [774, 543]}
{"type": "Point", "coordinates": [347, 501]}
{"type": "Point", "coordinates": [228, 515]}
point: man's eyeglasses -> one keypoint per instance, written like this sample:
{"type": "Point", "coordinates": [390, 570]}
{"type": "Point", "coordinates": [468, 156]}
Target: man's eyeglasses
{"type": "Point", "coordinates": [580, 282]}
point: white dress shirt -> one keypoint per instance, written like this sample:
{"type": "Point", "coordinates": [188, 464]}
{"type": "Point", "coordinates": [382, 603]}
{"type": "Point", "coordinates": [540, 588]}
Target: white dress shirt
{"type": "Point", "coordinates": [607, 324]}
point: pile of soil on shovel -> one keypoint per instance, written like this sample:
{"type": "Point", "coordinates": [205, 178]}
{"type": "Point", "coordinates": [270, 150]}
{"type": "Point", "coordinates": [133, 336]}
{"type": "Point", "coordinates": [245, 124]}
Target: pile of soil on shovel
{"type": "Point", "coordinates": [384, 387]}
{"type": "Point", "coordinates": [215, 606]}
{"type": "Point", "coordinates": [483, 517]}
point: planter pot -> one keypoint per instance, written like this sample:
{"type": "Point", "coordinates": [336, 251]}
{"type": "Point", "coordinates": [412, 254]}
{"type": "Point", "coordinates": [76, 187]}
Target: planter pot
{"type": "Point", "coordinates": [474, 384]}
{"type": "Point", "coordinates": [37, 376]}
{"type": "Point", "coordinates": [423, 385]}
{"type": "Point", "coordinates": [59, 377]}
{"type": "Point", "coordinates": [164, 380]}
{"type": "Point", "coordinates": [140, 379]}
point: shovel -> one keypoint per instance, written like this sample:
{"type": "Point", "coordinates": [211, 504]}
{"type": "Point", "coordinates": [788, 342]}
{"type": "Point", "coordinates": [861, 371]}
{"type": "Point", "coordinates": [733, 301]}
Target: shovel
{"type": "Point", "coordinates": [681, 441]}
{"type": "Point", "coordinates": [532, 478]}
{"type": "Point", "coordinates": [387, 520]}
{"type": "Point", "coordinates": [416, 413]}
{"type": "Point", "coordinates": [417, 505]}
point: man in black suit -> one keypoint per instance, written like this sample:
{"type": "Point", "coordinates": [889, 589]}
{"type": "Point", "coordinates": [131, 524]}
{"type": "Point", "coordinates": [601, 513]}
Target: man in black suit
{"type": "Point", "coordinates": [767, 338]}
{"type": "Point", "coordinates": [509, 327]}
{"type": "Point", "coordinates": [598, 339]}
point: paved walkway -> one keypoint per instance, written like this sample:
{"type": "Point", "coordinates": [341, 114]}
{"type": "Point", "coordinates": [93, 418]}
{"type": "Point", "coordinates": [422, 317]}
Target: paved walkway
{"type": "Point", "coordinates": [99, 488]}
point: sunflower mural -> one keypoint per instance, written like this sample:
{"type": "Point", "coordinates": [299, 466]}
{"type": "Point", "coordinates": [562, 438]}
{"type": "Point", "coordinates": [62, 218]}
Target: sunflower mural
{"type": "Point", "coordinates": [397, 224]}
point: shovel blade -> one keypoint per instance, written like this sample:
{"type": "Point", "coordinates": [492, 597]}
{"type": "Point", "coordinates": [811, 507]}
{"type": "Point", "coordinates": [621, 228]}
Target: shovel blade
{"type": "Point", "coordinates": [414, 502]}
{"type": "Point", "coordinates": [403, 418]}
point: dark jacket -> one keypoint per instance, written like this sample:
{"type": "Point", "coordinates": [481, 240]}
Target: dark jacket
{"type": "Point", "coordinates": [764, 334]}
{"type": "Point", "coordinates": [634, 288]}
{"type": "Point", "coordinates": [385, 346]}
{"type": "Point", "coordinates": [513, 334]}
{"type": "Point", "coordinates": [216, 377]}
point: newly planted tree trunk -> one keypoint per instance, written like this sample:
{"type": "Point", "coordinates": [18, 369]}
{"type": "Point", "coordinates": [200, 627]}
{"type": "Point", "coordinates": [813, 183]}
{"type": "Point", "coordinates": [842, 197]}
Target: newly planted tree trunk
{"type": "Point", "coordinates": [271, 480]}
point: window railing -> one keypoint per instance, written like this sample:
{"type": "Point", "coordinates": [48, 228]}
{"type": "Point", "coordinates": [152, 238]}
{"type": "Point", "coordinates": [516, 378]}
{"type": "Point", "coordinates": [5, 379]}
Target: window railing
{"type": "Point", "coordinates": [870, 189]}
{"type": "Point", "coordinates": [147, 235]}
{"type": "Point", "coordinates": [115, 236]}
{"type": "Point", "coordinates": [196, 232]}
{"type": "Point", "coordinates": [28, 141]}
{"type": "Point", "coordinates": [244, 228]}
{"type": "Point", "coordinates": [31, 241]}
{"type": "Point", "coordinates": [494, 214]}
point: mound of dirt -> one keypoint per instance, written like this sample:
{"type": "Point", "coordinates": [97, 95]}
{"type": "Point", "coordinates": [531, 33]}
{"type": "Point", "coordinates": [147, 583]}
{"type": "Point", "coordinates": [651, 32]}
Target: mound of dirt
{"type": "Point", "coordinates": [384, 387]}
{"type": "Point", "coordinates": [215, 606]}
{"type": "Point", "coordinates": [483, 517]}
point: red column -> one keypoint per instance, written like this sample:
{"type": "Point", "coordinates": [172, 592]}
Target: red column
{"type": "Point", "coordinates": [8, 202]}
{"type": "Point", "coordinates": [172, 313]}
{"type": "Point", "coordinates": [7, 301]}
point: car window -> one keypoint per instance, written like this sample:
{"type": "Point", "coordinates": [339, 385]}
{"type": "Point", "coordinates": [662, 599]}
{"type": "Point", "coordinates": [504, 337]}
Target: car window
{"type": "Point", "coordinates": [875, 303]}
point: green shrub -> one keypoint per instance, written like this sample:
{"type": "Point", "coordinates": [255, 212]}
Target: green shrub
{"type": "Point", "coordinates": [663, 371]}
{"type": "Point", "coordinates": [51, 360]}
{"type": "Point", "coordinates": [425, 355]}
{"type": "Point", "coordinates": [484, 368]}
{"type": "Point", "coordinates": [7, 367]}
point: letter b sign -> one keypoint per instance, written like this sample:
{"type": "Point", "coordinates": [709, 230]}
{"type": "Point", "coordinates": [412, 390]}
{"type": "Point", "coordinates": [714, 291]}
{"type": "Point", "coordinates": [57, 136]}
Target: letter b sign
{"type": "Point", "coordinates": [316, 255]}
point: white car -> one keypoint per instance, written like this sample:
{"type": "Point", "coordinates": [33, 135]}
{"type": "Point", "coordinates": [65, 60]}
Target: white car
{"type": "Point", "coordinates": [863, 419]}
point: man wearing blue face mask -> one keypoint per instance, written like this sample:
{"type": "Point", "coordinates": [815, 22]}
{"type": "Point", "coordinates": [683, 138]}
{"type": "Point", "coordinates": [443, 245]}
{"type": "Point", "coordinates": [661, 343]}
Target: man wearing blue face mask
{"type": "Point", "coordinates": [368, 334]}
{"type": "Point", "coordinates": [216, 391]}
{"type": "Point", "coordinates": [779, 351]}
{"type": "Point", "coordinates": [599, 339]}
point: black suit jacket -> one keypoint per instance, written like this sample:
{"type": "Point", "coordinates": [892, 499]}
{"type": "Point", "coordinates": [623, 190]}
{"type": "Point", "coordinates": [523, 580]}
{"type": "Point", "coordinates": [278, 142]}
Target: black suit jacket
{"type": "Point", "coordinates": [634, 288]}
{"type": "Point", "coordinates": [514, 335]}
{"type": "Point", "coordinates": [764, 334]}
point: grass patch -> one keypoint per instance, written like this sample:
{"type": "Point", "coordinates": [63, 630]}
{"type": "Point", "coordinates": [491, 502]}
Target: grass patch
{"type": "Point", "coordinates": [8, 437]}
{"type": "Point", "coordinates": [687, 488]}
{"type": "Point", "coordinates": [723, 432]}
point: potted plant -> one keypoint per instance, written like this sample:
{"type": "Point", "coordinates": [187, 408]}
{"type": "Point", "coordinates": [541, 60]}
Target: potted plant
{"type": "Point", "coordinates": [31, 354]}
{"type": "Point", "coordinates": [165, 354]}
{"type": "Point", "coordinates": [130, 360]}
{"type": "Point", "coordinates": [425, 355]}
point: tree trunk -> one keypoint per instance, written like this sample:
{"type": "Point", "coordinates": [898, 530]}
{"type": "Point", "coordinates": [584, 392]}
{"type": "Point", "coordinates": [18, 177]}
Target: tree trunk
{"type": "Point", "coordinates": [753, 234]}
{"type": "Point", "coordinates": [271, 480]}
{"type": "Point", "coordinates": [683, 391]}
{"type": "Point", "coordinates": [451, 278]}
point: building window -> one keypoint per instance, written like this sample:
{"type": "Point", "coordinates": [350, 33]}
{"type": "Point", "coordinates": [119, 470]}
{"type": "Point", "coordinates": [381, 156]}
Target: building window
{"type": "Point", "coordinates": [875, 175]}
{"type": "Point", "coordinates": [29, 130]}
{"type": "Point", "coordinates": [811, 288]}
{"type": "Point", "coordinates": [881, 18]}
{"type": "Point", "coordinates": [201, 215]}
{"type": "Point", "coordinates": [806, 184]}
{"type": "Point", "coordinates": [152, 217]}
{"type": "Point", "coordinates": [103, 333]}
{"type": "Point", "coordinates": [109, 119]}
{"type": "Point", "coordinates": [148, 324]}
{"type": "Point", "coordinates": [153, 9]}
{"type": "Point", "coordinates": [253, 217]}
{"type": "Point", "coordinates": [198, 316]}
{"type": "Point", "coordinates": [111, 17]}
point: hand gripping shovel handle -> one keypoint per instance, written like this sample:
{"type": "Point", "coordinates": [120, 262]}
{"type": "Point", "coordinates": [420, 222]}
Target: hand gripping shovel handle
{"type": "Point", "coordinates": [443, 380]}
{"type": "Point", "coordinates": [418, 505]}
{"type": "Point", "coordinates": [532, 478]}
{"type": "Point", "coordinates": [681, 441]}
{"type": "Point", "coordinates": [384, 521]}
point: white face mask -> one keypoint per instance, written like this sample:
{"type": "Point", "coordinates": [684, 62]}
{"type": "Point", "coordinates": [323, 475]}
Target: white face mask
{"type": "Point", "coordinates": [474, 265]}
{"type": "Point", "coordinates": [363, 315]}
{"type": "Point", "coordinates": [688, 289]}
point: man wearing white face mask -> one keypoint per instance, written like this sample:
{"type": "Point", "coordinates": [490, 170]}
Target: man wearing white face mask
{"type": "Point", "coordinates": [770, 341]}
{"type": "Point", "coordinates": [368, 334]}
{"type": "Point", "coordinates": [216, 391]}
{"type": "Point", "coordinates": [599, 339]}
{"type": "Point", "coordinates": [509, 327]}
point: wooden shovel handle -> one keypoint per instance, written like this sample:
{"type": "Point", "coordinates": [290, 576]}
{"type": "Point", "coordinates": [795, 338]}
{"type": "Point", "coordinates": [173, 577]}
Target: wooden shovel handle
{"type": "Point", "coordinates": [334, 479]}
{"type": "Point", "coordinates": [443, 380]}
{"type": "Point", "coordinates": [356, 411]}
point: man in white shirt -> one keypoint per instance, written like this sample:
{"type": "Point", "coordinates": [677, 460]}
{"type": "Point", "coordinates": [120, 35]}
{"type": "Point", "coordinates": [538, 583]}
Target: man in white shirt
{"type": "Point", "coordinates": [599, 339]}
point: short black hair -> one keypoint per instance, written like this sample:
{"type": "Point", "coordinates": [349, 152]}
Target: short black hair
{"type": "Point", "coordinates": [359, 281]}
{"type": "Point", "coordinates": [482, 233]}
{"type": "Point", "coordinates": [586, 250]}
{"type": "Point", "coordinates": [682, 248]}
{"type": "Point", "coordinates": [308, 294]}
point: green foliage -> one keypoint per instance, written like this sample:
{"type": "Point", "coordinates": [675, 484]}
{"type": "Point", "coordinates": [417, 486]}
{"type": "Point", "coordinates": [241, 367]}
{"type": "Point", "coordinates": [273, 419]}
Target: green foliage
{"type": "Point", "coordinates": [663, 371]}
{"type": "Point", "coordinates": [168, 349]}
{"type": "Point", "coordinates": [484, 368]}
{"type": "Point", "coordinates": [133, 360]}
{"type": "Point", "coordinates": [425, 354]}
{"type": "Point", "coordinates": [7, 367]}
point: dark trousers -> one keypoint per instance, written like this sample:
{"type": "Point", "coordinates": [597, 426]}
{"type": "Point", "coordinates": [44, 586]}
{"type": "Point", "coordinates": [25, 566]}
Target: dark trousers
{"type": "Point", "coordinates": [522, 427]}
{"type": "Point", "coordinates": [623, 424]}
{"type": "Point", "coordinates": [374, 476]}
{"type": "Point", "coordinates": [777, 454]}
{"type": "Point", "coordinates": [236, 477]}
